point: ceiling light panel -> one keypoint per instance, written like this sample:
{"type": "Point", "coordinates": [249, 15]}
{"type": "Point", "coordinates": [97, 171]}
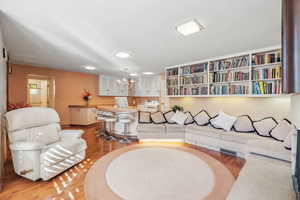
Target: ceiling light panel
{"type": "Point", "coordinates": [122, 55]}
{"type": "Point", "coordinates": [148, 73]}
{"type": "Point", "coordinates": [90, 67]}
{"type": "Point", "coordinates": [189, 28]}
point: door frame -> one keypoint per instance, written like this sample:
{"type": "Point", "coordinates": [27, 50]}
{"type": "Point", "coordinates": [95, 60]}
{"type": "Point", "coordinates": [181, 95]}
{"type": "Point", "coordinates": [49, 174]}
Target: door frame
{"type": "Point", "coordinates": [51, 88]}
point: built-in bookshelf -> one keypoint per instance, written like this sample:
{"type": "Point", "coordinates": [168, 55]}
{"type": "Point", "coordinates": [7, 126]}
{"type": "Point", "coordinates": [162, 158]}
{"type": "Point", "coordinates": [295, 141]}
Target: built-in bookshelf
{"type": "Point", "coordinates": [254, 73]}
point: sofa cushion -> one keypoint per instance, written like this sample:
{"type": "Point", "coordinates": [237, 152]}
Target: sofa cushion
{"type": "Point", "coordinates": [158, 118]}
{"type": "Point", "coordinates": [61, 150]}
{"type": "Point", "coordinates": [287, 143]}
{"type": "Point", "coordinates": [175, 128]}
{"type": "Point", "coordinates": [42, 134]}
{"type": "Point", "coordinates": [223, 120]}
{"type": "Point", "coordinates": [144, 117]}
{"type": "Point", "coordinates": [156, 128]}
{"type": "Point", "coordinates": [168, 115]}
{"type": "Point", "coordinates": [263, 127]}
{"type": "Point", "coordinates": [203, 130]}
{"type": "Point", "coordinates": [202, 118]}
{"type": "Point", "coordinates": [26, 118]}
{"type": "Point", "coordinates": [190, 118]}
{"type": "Point", "coordinates": [179, 117]}
{"type": "Point", "coordinates": [270, 148]}
{"type": "Point", "coordinates": [243, 124]}
{"type": "Point", "coordinates": [281, 130]}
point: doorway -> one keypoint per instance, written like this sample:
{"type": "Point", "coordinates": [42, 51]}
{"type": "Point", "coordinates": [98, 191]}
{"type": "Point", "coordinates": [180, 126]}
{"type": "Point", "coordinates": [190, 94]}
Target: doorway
{"type": "Point", "coordinates": [40, 91]}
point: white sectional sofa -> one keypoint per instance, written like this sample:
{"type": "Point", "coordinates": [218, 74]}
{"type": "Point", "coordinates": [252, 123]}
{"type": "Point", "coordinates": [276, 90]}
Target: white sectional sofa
{"type": "Point", "coordinates": [232, 142]}
{"type": "Point", "coordinates": [240, 144]}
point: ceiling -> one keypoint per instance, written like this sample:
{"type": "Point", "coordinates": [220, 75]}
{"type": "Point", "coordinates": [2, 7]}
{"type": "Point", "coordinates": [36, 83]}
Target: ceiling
{"type": "Point", "coordinates": [68, 34]}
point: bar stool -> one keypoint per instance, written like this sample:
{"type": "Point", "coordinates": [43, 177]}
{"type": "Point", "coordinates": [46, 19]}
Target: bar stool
{"type": "Point", "coordinates": [110, 121]}
{"type": "Point", "coordinates": [101, 131]}
{"type": "Point", "coordinates": [126, 123]}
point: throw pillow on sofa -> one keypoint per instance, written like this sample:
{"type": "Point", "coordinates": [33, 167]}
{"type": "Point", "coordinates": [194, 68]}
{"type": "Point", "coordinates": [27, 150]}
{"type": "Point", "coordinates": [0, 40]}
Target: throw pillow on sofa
{"type": "Point", "coordinates": [190, 118]}
{"type": "Point", "coordinates": [144, 117]}
{"type": "Point", "coordinates": [223, 121]}
{"type": "Point", "coordinates": [243, 124]}
{"type": "Point", "coordinates": [263, 127]}
{"type": "Point", "coordinates": [158, 118]}
{"type": "Point", "coordinates": [287, 143]}
{"type": "Point", "coordinates": [179, 117]}
{"type": "Point", "coordinates": [282, 129]}
{"type": "Point", "coordinates": [202, 118]}
{"type": "Point", "coordinates": [168, 115]}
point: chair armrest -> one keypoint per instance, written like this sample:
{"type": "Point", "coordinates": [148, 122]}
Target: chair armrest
{"type": "Point", "coordinates": [26, 146]}
{"type": "Point", "coordinates": [71, 133]}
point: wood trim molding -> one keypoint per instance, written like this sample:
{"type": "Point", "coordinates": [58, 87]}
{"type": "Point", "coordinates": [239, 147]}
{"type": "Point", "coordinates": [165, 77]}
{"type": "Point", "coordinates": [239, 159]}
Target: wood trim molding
{"type": "Point", "coordinates": [291, 45]}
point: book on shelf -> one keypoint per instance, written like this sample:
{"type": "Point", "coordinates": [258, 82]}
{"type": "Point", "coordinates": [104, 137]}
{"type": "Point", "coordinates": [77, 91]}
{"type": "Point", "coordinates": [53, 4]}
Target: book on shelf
{"type": "Point", "coordinates": [197, 68]}
{"type": "Point", "coordinates": [239, 89]}
{"type": "Point", "coordinates": [193, 80]}
{"type": "Point", "coordinates": [231, 63]}
{"type": "Point", "coordinates": [267, 73]}
{"type": "Point", "coordinates": [172, 72]}
{"type": "Point", "coordinates": [266, 58]}
{"type": "Point", "coordinates": [193, 90]}
{"type": "Point", "coordinates": [172, 82]}
{"type": "Point", "coordinates": [219, 89]}
{"type": "Point", "coordinates": [267, 87]}
{"type": "Point", "coordinates": [217, 77]}
{"type": "Point", "coordinates": [173, 91]}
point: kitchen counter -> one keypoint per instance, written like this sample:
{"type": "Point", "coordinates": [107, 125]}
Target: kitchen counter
{"type": "Point", "coordinates": [82, 106]}
{"type": "Point", "coordinates": [130, 109]}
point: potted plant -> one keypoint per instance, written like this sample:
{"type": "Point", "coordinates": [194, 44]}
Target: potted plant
{"type": "Point", "coordinates": [177, 108]}
{"type": "Point", "coordinates": [87, 96]}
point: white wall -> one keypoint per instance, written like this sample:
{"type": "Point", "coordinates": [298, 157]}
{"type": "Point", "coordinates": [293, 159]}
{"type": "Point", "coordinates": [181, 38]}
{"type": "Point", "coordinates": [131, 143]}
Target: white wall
{"type": "Point", "coordinates": [257, 108]}
{"type": "Point", "coordinates": [2, 99]}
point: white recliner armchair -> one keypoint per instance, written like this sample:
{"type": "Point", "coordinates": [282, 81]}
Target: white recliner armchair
{"type": "Point", "coordinates": [40, 149]}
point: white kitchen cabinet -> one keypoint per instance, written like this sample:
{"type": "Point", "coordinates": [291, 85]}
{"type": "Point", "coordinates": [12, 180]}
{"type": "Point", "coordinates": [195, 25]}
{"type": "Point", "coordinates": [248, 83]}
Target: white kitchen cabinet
{"type": "Point", "coordinates": [110, 86]}
{"type": "Point", "coordinates": [147, 86]}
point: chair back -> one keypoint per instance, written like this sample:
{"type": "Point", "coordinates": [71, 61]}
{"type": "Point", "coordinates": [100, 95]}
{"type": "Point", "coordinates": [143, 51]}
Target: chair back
{"type": "Point", "coordinates": [34, 124]}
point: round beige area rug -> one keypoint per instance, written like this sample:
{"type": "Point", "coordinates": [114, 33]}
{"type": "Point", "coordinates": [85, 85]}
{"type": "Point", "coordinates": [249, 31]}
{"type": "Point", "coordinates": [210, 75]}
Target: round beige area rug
{"type": "Point", "coordinates": [160, 172]}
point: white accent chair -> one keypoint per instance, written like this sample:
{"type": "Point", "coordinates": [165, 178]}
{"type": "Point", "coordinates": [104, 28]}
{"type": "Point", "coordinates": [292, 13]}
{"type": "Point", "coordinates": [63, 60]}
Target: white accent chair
{"type": "Point", "coordinates": [40, 149]}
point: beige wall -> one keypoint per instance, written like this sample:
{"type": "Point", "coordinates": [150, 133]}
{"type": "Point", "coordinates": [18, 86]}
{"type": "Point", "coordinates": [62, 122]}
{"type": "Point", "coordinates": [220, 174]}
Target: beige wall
{"type": "Point", "coordinates": [68, 91]}
{"type": "Point", "coordinates": [257, 108]}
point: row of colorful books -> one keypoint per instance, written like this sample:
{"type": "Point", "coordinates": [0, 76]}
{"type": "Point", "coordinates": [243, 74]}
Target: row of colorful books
{"type": "Point", "coordinates": [193, 80]}
{"type": "Point", "coordinates": [172, 72]}
{"type": "Point", "coordinates": [267, 87]}
{"type": "Point", "coordinates": [173, 91]}
{"type": "Point", "coordinates": [194, 90]}
{"type": "Point", "coordinates": [232, 63]}
{"type": "Point", "coordinates": [267, 58]}
{"type": "Point", "coordinates": [219, 90]}
{"type": "Point", "coordinates": [217, 77]}
{"type": "Point", "coordinates": [266, 73]}
{"type": "Point", "coordinates": [193, 69]}
{"type": "Point", "coordinates": [238, 89]}
{"type": "Point", "coordinates": [172, 82]}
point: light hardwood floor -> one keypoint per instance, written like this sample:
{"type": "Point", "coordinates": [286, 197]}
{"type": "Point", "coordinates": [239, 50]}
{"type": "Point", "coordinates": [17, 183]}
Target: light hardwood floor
{"type": "Point", "coordinates": [69, 185]}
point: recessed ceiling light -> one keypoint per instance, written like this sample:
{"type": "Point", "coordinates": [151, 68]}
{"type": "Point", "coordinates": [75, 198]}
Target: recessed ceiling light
{"type": "Point", "coordinates": [148, 73]}
{"type": "Point", "coordinates": [189, 28]}
{"type": "Point", "coordinates": [133, 74]}
{"type": "Point", "coordinates": [90, 67]}
{"type": "Point", "coordinates": [122, 54]}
